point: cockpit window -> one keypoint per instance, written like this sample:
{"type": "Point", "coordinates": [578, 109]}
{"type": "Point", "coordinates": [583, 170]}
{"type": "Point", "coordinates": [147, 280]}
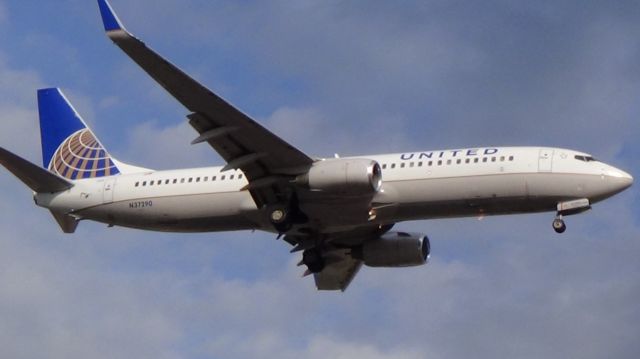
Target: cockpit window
{"type": "Point", "coordinates": [585, 158]}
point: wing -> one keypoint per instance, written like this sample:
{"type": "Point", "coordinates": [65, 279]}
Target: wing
{"type": "Point", "coordinates": [339, 271]}
{"type": "Point", "coordinates": [267, 160]}
{"type": "Point", "coordinates": [340, 266]}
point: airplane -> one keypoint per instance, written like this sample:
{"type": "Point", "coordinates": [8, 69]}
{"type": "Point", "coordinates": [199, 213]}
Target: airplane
{"type": "Point", "coordinates": [338, 212]}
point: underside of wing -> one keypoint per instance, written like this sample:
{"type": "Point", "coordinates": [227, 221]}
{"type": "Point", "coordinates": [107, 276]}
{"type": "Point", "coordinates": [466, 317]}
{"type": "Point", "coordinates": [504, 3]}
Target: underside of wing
{"type": "Point", "coordinates": [338, 254]}
{"type": "Point", "coordinates": [339, 271]}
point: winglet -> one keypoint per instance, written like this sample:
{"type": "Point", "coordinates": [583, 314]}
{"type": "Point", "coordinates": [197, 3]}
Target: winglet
{"type": "Point", "coordinates": [109, 17]}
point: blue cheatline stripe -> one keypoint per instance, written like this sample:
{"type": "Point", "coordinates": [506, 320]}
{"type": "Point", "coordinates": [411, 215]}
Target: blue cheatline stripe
{"type": "Point", "coordinates": [58, 121]}
{"type": "Point", "coordinates": [109, 18]}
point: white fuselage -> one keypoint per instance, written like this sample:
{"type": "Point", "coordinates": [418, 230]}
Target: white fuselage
{"type": "Point", "coordinates": [420, 185]}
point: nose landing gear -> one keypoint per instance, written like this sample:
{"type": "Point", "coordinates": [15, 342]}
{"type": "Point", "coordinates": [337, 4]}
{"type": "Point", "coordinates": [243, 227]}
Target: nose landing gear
{"type": "Point", "coordinates": [558, 224]}
{"type": "Point", "coordinates": [568, 208]}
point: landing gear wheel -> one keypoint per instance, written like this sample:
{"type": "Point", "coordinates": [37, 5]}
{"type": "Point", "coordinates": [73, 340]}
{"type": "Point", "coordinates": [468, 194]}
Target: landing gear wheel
{"type": "Point", "coordinates": [279, 216]}
{"type": "Point", "coordinates": [313, 260]}
{"type": "Point", "coordinates": [559, 226]}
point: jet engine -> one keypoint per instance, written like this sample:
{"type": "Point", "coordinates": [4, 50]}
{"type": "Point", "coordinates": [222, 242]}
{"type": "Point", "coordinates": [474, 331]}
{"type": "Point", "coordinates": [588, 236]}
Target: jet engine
{"type": "Point", "coordinates": [351, 177]}
{"type": "Point", "coordinates": [395, 249]}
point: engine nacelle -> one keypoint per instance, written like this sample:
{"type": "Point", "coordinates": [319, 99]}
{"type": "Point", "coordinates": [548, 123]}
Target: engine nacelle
{"type": "Point", "coordinates": [351, 177]}
{"type": "Point", "coordinates": [395, 249]}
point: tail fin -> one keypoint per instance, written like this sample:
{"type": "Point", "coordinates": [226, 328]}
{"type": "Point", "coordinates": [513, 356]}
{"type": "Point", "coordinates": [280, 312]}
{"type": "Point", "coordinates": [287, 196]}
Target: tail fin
{"type": "Point", "coordinates": [69, 147]}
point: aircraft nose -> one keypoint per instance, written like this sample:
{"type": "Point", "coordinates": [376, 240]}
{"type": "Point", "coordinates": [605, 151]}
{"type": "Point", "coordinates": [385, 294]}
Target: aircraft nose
{"type": "Point", "coordinates": [621, 179]}
{"type": "Point", "coordinates": [627, 178]}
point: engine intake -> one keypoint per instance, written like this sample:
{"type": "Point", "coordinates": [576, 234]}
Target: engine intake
{"type": "Point", "coordinates": [351, 177]}
{"type": "Point", "coordinates": [395, 249]}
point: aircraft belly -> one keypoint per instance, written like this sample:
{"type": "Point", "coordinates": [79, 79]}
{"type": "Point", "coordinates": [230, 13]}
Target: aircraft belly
{"type": "Point", "coordinates": [481, 195]}
{"type": "Point", "coordinates": [180, 213]}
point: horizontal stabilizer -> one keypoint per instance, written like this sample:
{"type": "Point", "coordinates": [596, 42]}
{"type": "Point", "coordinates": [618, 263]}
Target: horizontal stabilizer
{"type": "Point", "coordinates": [35, 177]}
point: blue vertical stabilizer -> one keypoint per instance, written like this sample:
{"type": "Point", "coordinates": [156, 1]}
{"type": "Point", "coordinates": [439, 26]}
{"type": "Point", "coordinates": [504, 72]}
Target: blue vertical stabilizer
{"type": "Point", "coordinates": [69, 148]}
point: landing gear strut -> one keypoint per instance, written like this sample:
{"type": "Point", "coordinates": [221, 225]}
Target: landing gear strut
{"type": "Point", "coordinates": [558, 224]}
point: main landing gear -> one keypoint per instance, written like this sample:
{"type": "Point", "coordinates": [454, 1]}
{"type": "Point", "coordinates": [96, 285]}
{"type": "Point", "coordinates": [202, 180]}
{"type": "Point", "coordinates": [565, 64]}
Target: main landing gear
{"type": "Point", "coordinates": [280, 218]}
{"type": "Point", "coordinates": [284, 215]}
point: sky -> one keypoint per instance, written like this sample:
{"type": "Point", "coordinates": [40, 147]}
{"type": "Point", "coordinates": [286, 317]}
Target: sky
{"type": "Point", "coordinates": [329, 77]}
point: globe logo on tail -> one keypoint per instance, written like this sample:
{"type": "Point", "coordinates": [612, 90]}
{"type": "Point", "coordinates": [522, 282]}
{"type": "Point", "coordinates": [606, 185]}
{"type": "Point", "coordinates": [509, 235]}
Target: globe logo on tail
{"type": "Point", "coordinates": [82, 156]}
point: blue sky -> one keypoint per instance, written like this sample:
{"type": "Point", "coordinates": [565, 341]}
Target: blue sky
{"type": "Point", "coordinates": [332, 76]}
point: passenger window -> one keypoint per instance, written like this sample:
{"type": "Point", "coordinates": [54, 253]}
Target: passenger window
{"type": "Point", "coordinates": [402, 165]}
{"type": "Point", "coordinates": [458, 161]}
{"type": "Point", "coordinates": [175, 180]}
{"type": "Point", "coordinates": [240, 176]}
{"type": "Point", "coordinates": [420, 164]}
{"type": "Point", "coordinates": [206, 178]}
{"type": "Point", "coordinates": [137, 183]}
{"type": "Point", "coordinates": [384, 166]}
{"type": "Point", "coordinates": [501, 158]}
{"type": "Point", "coordinates": [166, 181]}
{"type": "Point", "coordinates": [448, 162]}
{"type": "Point", "coordinates": [484, 159]}
{"type": "Point", "coordinates": [222, 178]}
{"type": "Point", "coordinates": [197, 179]}
{"type": "Point", "coordinates": [476, 160]}
{"type": "Point", "coordinates": [584, 158]}
{"type": "Point", "coordinates": [411, 164]}
{"type": "Point", "coordinates": [467, 160]}
{"type": "Point", "coordinates": [232, 176]}
{"type": "Point", "coordinates": [182, 180]}
{"type": "Point", "coordinates": [213, 178]}
{"type": "Point", "coordinates": [144, 183]}
{"type": "Point", "coordinates": [440, 163]}
{"type": "Point", "coordinates": [493, 159]}
{"type": "Point", "coordinates": [190, 179]}
{"type": "Point", "coordinates": [430, 163]}
{"type": "Point", "coordinates": [393, 165]}
{"type": "Point", "coordinates": [151, 183]}
{"type": "Point", "coordinates": [510, 158]}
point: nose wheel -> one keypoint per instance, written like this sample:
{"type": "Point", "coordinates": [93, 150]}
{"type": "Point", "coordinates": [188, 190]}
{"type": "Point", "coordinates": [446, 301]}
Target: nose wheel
{"type": "Point", "coordinates": [558, 225]}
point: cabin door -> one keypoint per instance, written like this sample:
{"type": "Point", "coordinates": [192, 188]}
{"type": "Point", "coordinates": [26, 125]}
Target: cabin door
{"type": "Point", "coordinates": [545, 160]}
{"type": "Point", "coordinates": [108, 189]}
